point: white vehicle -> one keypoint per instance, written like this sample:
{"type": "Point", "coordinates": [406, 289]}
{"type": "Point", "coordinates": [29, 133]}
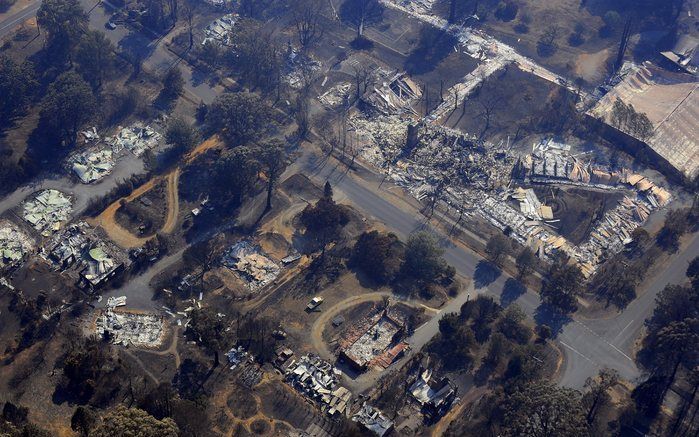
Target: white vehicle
{"type": "Point", "coordinates": [314, 303]}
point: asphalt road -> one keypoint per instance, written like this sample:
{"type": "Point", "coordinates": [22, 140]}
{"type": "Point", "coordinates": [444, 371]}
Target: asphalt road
{"type": "Point", "coordinates": [158, 58]}
{"type": "Point", "coordinates": [588, 345]}
{"type": "Point", "coordinates": [14, 20]}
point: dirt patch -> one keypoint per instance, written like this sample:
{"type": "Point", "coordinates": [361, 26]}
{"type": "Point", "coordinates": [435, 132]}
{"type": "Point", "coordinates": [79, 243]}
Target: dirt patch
{"type": "Point", "coordinates": [285, 404]}
{"type": "Point", "coordinates": [300, 185]}
{"type": "Point", "coordinates": [242, 405]}
{"type": "Point", "coordinates": [592, 66]}
{"type": "Point", "coordinates": [144, 215]}
{"type": "Point", "coordinates": [260, 427]}
{"type": "Point", "coordinates": [509, 103]}
{"type": "Point", "coordinates": [577, 209]}
{"type": "Point", "coordinates": [274, 245]}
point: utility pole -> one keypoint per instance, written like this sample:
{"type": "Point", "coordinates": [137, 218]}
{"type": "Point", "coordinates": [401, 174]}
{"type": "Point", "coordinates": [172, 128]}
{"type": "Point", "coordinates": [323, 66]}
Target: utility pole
{"type": "Point", "coordinates": [623, 45]}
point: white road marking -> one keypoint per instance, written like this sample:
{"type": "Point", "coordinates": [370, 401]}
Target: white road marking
{"type": "Point", "coordinates": [574, 350]}
{"type": "Point", "coordinates": [622, 331]}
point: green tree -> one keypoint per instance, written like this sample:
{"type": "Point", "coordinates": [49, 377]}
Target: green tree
{"type": "Point", "coordinates": [497, 247]}
{"type": "Point", "coordinates": [63, 20]}
{"type": "Point", "coordinates": [324, 221]}
{"type": "Point", "coordinates": [68, 105]}
{"type": "Point", "coordinates": [512, 326]}
{"type": "Point", "coordinates": [127, 422]}
{"type": "Point", "coordinates": [379, 255]}
{"type": "Point", "coordinates": [612, 20]}
{"type": "Point", "coordinates": [675, 226]}
{"type": "Point", "coordinates": [543, 332]}
{"type": "Point", "coordinates": [272, 156]}
{"type": "Point", "coordinates": [95, 57]}
{"type": "Point", "coordinates": [693, 273]}
{"type": "Point", "coordinates": [482, 311]}
{"type": "Point", "coordinates": [83, 420]}
{"type": "Point", "coordinates": [258, 59]}
{"type": "Point", "coordinates": [17, 86]}
{"type": "Point", "coordinates": [675, 344]}
{"type": "Point", "coordinates": [523, 367]}
{"type": "Point", "coordinates": [181, 134]}
{"type": "Point", "coordinates": [597, 389]}
{"type": "Point", "coordinates": [173, 84]}
{"type": "Point", "coordinates": [455, 342]}
{"type": "Point", "coordinates": [525, 262]}
{"type": "Point", "coordinates": [562, 286]}
{"type": "Point", "coordinates": [242, 118]}
{"type": "Point", "coordinates": [209, 329]}
{"type": "Point", "coordinates": [423, 258]}
{"type": "Point", "coordinates": [544, 410]}
{"type": "Point", "coordinates": [497, 350]}
{"type": "Point", "coordinates": [361, 14]}
{"type": "Point", "coordinates": [235, 174]}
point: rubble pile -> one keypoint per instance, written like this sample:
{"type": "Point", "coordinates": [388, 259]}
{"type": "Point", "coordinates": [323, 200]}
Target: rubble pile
{"type": "Point", "coordinates": [417, 6]}
{"type": "Point", "coordinates": [478, 178]}
{"type": "Point", "coordinates": [373, 419]}
{"type": "Point", "coordinates": [300, 68]}
{"type": "Point", "coordinates": [136, 138]}
{"type": "Point", "coordinates": [92, 165]}
{"type": "Point", "coordinates": [370, 341]}
{"type": "Point", "coordinates": [336, 95]}
{"type": "Point", "coordinates": [530, 205]}
{"type": "Point", "coordinates": [251, 375]}
{"type": "Point", "coordinates": [250, 264]}
{"type": "Point", "coordinates": [47, 211]}
{"type": "Point", "coordinates": [381, 138]}
{"type": "Point", "coordinates": [317, 380]}
{"type": "Point", "coordinates": [14, 244]}
{"type": "Point", "coordinates": [396, 94]}
{"type": "Point", "coordinates": [445, 154]}
{"type": "Point", "coordinates": [82, 249]}
{"type": "Point", "coordinates": [90, 135]}
{"type": "Point", "coordinates": [220, 30]}
{"type": "Point", "coordinates": [127, 329]}
{"type": "Point", "coordinates": [236, 356]}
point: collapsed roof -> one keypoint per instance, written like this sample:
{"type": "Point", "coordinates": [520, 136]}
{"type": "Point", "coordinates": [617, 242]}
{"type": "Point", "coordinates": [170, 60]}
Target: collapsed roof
{"type": "Point", "coordinates": [396, 94]}
{"type": "Point", "coordinates": [47, 211]}
{"type": "Point", "coordinates": [317, 380]}
{"type": "Point", "coordinates": [136, 138]}
{"type": "Point", "coordinates": [247, 259]}
{"type": "Point", "coordinates": [128, 328]}
{"type": "Point", "coordinates": [92, 165]}
{"type": "Point", "coordinates": [220, 30]}
{"type": "Point", "coordinates": [373, 419]}
{"type": "Point", "coordinates": [94, 258]}
{"type": "Point", "coordinates": [14, 244]}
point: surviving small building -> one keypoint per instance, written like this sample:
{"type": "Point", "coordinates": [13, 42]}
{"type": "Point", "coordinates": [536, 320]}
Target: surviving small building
{"type": "Point", "coordinates": [435, 396]}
